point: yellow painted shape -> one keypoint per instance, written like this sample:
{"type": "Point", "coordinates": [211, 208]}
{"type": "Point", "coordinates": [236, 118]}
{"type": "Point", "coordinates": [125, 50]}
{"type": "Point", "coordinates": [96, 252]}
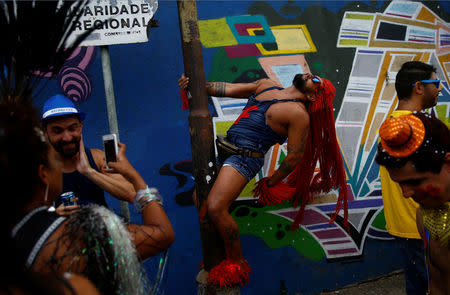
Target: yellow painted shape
{"type": "Point", "coordinates": [352, 42]}
{"type": "Point", "coordinates": [247, 191]}
{"type": "Point", "coordinates": [356, 34]}
{"type": "Point", "coordinates": [378, 119]}
{"type": "Point", "coordinates": [445, 57]}
{"type": "Point", "coordinates": [359, 16]}
{"type": "Point", "coordinates": [289, 38]}
{"type": "Point", "coordinates": [425, 57]}
{"type": "Point", "coordinates": [447, 67]}
{"type": "Point", "coordinates": [223, 126]}
{"type": "Point", "coordinates": [216, 33]}
{"type": "Point", "coordinates": [426, 15]}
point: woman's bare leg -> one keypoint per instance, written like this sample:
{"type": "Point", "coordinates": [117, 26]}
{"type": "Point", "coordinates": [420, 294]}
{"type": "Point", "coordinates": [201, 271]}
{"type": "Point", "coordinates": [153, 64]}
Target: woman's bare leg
{"type": "Point", "coordinates": [226, 189]}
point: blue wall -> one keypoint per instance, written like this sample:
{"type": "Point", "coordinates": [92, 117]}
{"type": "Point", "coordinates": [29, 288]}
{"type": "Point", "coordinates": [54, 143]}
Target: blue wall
{"type": "Point", "coordinates": [155, 129]}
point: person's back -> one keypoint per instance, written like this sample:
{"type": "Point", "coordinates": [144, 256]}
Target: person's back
{"type": "Point", "coordinates": [263, 121]}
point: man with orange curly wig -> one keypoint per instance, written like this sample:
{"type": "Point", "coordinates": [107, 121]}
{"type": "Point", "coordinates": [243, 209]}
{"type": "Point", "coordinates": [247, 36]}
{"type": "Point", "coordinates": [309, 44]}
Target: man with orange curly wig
{"type": "Point", "coordinates": [302, 114]}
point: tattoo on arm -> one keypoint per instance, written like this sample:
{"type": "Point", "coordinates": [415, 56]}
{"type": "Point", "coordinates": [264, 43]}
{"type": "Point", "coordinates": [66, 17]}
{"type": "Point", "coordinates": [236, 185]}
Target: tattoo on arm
{"type": "Point", "coordinates": [296, 150]}
{"type": "Point", "coordinates": [216, 88]}
{"type": "Point", "coordinates": [285, 167]}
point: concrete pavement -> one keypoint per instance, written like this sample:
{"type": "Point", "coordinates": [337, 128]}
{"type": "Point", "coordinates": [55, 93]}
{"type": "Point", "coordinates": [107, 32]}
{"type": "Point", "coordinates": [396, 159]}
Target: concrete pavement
{"type": "Point", "coordinates": [392, 284]}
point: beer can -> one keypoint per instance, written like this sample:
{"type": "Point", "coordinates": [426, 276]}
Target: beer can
{"type": "Point", "coordinates": [68, 199]}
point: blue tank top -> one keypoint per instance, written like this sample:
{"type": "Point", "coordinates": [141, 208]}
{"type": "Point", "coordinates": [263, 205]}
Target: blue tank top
{"type": "Point", "coordinates": [83, 188]}
{"type": "Point", "coordinates": [250, 130]}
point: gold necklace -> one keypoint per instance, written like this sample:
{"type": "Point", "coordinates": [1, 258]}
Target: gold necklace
{"type": "Point", "coordinates": [437, 222]}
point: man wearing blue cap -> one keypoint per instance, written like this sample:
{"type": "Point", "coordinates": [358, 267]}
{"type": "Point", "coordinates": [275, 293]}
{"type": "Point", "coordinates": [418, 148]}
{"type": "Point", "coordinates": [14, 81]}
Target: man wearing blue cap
{"type": "Point", "coordinates": [83, 168]}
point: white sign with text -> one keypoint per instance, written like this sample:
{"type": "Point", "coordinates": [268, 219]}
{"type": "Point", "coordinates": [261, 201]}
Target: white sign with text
{"type": "Point", "coordinates": [115, 21]}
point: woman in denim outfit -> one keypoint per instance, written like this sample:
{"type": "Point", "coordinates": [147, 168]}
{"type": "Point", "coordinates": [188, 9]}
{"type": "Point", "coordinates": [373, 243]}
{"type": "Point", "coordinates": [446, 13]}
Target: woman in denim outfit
{"type": "Point", "coordinates": [272, 115]}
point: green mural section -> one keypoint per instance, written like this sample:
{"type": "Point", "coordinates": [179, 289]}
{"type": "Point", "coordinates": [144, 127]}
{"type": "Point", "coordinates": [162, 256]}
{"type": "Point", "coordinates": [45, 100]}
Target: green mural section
{"type": "Point", "coordinates": [276, 230]}
{"type": "Point", "coordinates": [379, 222]}
{"type": "Point", "coordinates": [442, 111]}
{"type": "Point", "coordinates": [230, 69]}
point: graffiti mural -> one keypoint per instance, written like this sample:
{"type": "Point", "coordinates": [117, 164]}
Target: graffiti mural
{"type": "Point", "coordinates": [406, 31]}
{"type": "Point", "coordinates": [358, 45]}
{"type": "Point", "coordinates": [249, 47]}
{"type": "Point", "coordinates": [73, 78]}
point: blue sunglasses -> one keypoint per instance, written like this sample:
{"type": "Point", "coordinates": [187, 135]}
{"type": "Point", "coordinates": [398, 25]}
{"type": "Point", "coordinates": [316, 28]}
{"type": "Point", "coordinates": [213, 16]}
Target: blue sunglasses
{"type": "Point", "coordinates": [315, 80]}
{"type": "Point", "coordinates": [436, 83]}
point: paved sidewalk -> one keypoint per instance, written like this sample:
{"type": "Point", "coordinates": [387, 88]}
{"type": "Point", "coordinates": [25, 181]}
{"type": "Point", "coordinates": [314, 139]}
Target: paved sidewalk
{"type": "Point", "coordinates": [392, 284]}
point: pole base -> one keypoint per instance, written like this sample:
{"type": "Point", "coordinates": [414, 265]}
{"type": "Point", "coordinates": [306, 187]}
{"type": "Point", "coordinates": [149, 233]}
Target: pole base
{"type": "Point", "coordinates": [204, 288]}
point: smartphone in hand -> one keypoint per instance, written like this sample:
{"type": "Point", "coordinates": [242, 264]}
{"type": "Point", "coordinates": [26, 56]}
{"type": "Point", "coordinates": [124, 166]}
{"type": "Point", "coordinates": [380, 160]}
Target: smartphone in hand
{"type": "Point", "coordinates": [111, 148]}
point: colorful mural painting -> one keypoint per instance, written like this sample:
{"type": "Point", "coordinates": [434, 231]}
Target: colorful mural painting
{"type": "Point", "coordinates": [253, 49]}
{"type": "Point", "coordinates": [358, 45]}
{"type": "Point", "coordinates": [72, 78]}
{"type": "Point", "coordinates": [404, 31]}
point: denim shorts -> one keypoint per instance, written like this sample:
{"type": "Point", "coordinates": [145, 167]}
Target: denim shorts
{"type": "Point", "coordinates": [246, 166]}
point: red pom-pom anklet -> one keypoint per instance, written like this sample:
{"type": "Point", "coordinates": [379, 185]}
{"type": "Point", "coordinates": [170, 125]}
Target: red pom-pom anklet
{"type": "Point", "coordinates": [229, 273]}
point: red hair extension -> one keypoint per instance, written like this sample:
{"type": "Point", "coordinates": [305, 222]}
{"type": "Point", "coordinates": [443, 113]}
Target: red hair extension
{"type": "Point", "coordinates": [322, 147]}
{"type": "Point", "coordinates": [276, 194]}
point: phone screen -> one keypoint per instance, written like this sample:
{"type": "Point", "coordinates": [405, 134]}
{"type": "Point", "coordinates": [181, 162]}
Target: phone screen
{"type": "Point", "coordinates": [110, 151]}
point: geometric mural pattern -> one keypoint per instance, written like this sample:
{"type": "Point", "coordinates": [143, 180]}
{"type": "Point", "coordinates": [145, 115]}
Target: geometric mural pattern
{"type": "Point", "coordinates": [383, 41]}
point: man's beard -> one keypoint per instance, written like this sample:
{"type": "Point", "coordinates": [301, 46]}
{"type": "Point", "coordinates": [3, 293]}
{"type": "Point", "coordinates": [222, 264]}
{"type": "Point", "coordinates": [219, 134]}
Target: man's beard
{"type": "Point", "coordinates": [430, 103]}
{"type": "Point", "coordinates": [65, 152]}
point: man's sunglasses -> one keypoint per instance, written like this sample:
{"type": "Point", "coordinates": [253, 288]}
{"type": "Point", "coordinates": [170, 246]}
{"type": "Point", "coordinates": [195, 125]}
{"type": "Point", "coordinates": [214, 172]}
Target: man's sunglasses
{"type": "Point", "coordinates": [436, 83]}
